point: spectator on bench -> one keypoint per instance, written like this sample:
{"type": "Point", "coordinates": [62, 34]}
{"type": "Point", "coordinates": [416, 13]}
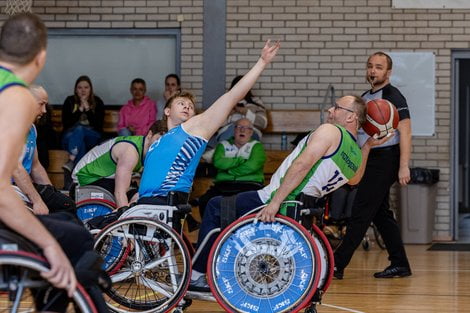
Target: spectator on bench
{"type": "Point", "coordinates": [139, 113]}
{"type": "Point", "coordinates": [239, 162]}
{"type": "Point", "coordinates": [82, 119]}
{"type": "Point", "coordinates": [31, 177]}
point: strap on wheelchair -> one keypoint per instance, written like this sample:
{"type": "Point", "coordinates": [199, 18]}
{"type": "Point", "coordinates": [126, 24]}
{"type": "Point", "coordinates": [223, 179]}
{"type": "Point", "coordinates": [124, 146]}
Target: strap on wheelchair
{"type": "Point", "coordinates": [228, 211]}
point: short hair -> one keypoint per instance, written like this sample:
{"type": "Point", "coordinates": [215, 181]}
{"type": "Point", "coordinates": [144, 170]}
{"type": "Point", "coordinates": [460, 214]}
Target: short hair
{"type": "Point", "coordinates": [175, 76]}
{"type": "Point", "coordinates": [158, 127]}
{"type": "Point", "coordinates": [22, 37]}
{"type": "Point", "coordinates": [180, 94]}
{"type": "Point", "coordinates": [138, 81]}
{"type": "Point", "coordinates": [35, 90]}
{"type": "Point", "coordinates": [360, 108]}
{"type": "Point", "coordinates": [387, 57]}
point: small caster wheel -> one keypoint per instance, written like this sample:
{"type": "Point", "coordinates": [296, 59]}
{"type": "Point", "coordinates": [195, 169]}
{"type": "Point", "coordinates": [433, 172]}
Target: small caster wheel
{"type": "Point", "coordinates": [312, 308]}
{"type": "Point", "coordinates": [365, 244]}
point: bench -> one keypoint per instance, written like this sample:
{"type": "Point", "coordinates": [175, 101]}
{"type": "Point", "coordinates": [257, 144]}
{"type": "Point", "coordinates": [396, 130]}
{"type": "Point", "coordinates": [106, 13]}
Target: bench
{"type": "Point", "coordinates": [111, 117]}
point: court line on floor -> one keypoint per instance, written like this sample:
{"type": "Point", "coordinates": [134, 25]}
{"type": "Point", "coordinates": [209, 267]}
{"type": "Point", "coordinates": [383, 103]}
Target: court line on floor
{"type": "Point", "coordinates": [341, 308]}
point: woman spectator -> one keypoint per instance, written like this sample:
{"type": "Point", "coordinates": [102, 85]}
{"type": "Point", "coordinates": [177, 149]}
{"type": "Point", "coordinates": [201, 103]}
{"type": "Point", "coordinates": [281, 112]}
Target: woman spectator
{"type": "Point", "coordinates": [82, 119]}
{"type": "Point", "coordinates": [139, 113]}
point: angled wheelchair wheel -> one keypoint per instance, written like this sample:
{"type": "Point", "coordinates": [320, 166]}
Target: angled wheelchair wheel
{"type": "Point", "coordinates": [264, 267]}
{"type": "Point", "coordinates": [90, 208]}
{"type": "Point", "coordinates": [327, 258]}
{"type": "Point", "coordinates": [21, 284]}
{"type": "Point", "coordinates": [148, 262]}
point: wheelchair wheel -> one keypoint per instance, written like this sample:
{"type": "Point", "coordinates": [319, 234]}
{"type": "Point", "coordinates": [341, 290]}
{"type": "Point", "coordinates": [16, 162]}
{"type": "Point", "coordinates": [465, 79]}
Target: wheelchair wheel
{"type": "Point", "coordinates": [148, 262]}
{"type": "Point", "coordinates": [327, 259]}
{"type": "Point", "coordinates": [90, 208]}
{"type": "Point", "coordinates": [264, 267]}
{"type": "Point", "coordinates": [20, 280]}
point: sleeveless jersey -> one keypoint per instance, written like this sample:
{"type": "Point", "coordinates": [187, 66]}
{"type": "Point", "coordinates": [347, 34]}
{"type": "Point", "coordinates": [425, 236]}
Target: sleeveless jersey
{"type": "Point", "coordinates": [28, 149]}
{"type": "Point", "coordinates": [8, 79]}
{"type": "Point", "coordinates": [170, 163]}
{"type": "Point", "coordinates": [98, 162]}
{"type": "Point", "coordinates": [327, 174]}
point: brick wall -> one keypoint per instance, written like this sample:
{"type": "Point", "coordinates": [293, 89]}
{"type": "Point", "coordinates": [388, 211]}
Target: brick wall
{"type": "Point", "coordinates": [323, 42]}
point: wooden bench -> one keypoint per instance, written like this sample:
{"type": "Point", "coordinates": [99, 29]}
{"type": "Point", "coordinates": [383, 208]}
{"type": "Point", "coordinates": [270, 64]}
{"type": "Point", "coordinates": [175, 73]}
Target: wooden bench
{"type": "Point", "coordinates": [293, 122]}
{"type": "Point", "coordinates": [111, 118]}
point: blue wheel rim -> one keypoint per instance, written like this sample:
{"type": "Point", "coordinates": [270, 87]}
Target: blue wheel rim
{"type": "Point", "coordinates": [90, 210]}
{"type": "Point", "coordinates": [274, 265]}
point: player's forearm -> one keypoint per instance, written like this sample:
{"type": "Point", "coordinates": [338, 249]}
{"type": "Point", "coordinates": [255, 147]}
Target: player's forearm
{"type": "Point", "coordinates": [23, 181]}
{"type": "Point", "coordinates": [15, 215]}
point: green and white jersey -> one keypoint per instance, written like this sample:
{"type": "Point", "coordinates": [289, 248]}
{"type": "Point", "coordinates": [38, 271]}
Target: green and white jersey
{"type": "Point", "coordinates": [327, 174]}
{"type": "Point", "coordinates": [98, 163]}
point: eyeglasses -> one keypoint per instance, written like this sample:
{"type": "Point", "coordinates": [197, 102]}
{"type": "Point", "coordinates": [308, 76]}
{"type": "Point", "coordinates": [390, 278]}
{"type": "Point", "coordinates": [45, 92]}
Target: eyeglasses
{"type": "Point", "coordinates": [337, 106]}
{"type": "Point", "coordinates": [239, 127]}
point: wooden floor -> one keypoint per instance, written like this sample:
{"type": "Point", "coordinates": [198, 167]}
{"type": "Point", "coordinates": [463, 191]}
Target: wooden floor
{"type": "Point", "coordinates": [440, 283]}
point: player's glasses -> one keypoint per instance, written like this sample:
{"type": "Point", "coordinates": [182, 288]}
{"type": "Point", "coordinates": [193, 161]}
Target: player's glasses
{"type": "Point", "coordinates": [337, 106]}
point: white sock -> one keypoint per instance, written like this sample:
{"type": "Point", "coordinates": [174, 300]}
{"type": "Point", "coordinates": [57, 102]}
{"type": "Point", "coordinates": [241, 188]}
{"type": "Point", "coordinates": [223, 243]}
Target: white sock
{"type": "Point", "coordinates": [195, 275]}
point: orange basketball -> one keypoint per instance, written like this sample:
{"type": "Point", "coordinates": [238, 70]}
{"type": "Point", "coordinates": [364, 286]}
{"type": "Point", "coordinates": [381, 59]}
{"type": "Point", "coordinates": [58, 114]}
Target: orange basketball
{"type": "Point", "coordinates": [381, 118]}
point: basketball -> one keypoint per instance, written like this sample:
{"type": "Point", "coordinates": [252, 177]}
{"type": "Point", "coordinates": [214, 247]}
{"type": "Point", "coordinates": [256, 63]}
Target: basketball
{"type": "Point", "coordinates": [381, 118]}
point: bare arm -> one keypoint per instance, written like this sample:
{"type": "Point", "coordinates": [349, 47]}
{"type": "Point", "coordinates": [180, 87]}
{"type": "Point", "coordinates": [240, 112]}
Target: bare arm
{"type": "Point", "coordinates": [23, 181]}
{"type": "Point", "coordinates": [208, 122]}
{"type": "Point", "coordinates": [12, 211]}
{"type": "Point", "coordinates": [320, 143]}
{"type": "Point", "coordinates": [127, 158]}
{"type": "Point", "coordinates": [38, 172]}
{"type": "Point", "coordinates": [404, 127]}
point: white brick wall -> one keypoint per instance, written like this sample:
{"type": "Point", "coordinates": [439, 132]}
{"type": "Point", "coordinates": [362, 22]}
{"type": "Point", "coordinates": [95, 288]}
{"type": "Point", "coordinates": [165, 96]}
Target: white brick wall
{"type": "Point", "coordinates": [323, 41]}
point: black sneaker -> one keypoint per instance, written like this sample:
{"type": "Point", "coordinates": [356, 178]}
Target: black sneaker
{"type": "Point", "coordinates": [199, 284]}
{"type": "Point", "coordinates": [394, 271]}
{"type": "Point", "coordinates": [338, 273]}
{"type": "Point", "coordinates": [68, 166]}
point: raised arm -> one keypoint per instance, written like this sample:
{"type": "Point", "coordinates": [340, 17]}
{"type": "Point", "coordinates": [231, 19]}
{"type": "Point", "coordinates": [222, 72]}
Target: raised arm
{"type": "Point", "coordinates": [208, 122]}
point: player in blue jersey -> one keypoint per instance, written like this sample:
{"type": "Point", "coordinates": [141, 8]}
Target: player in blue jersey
{"type": "Point", "coordinates": [171, 161]}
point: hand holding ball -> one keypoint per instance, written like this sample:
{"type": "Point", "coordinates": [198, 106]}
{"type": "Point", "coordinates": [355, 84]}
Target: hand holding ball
{"type": "Point", "coordinates": [381, 118]}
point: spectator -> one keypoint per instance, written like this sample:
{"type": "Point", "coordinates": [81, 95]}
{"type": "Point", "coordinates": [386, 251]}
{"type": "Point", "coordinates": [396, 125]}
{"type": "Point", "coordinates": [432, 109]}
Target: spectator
{"type": "Point", "coordinates": [31, 177]}
{"type": "Point", "coordinates": [172, 86]}
{"type": "Point", "coordinates": [139, 113]}
{"type": "Point", "coordinates": [82, 119]}
{"type": "Point", "coordinates": [239, 162]}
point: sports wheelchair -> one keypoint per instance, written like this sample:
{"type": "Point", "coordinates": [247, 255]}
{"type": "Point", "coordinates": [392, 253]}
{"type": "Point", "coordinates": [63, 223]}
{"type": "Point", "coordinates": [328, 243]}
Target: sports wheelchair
{"type": "Point", "coordinates": [253, 267]}
{"type": "Point", "coordinates": [22, 289]}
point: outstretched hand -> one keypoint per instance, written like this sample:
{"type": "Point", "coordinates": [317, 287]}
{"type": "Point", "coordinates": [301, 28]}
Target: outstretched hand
{"type": "Point", "coordinates": [270, 50]}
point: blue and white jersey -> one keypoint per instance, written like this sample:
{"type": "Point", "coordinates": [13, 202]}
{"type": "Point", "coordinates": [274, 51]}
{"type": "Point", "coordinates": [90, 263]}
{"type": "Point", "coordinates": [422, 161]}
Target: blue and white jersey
{"type": "Point", "coordinates": [28, 149]}
{"type": "Point", "coordinates": [171, 162]}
